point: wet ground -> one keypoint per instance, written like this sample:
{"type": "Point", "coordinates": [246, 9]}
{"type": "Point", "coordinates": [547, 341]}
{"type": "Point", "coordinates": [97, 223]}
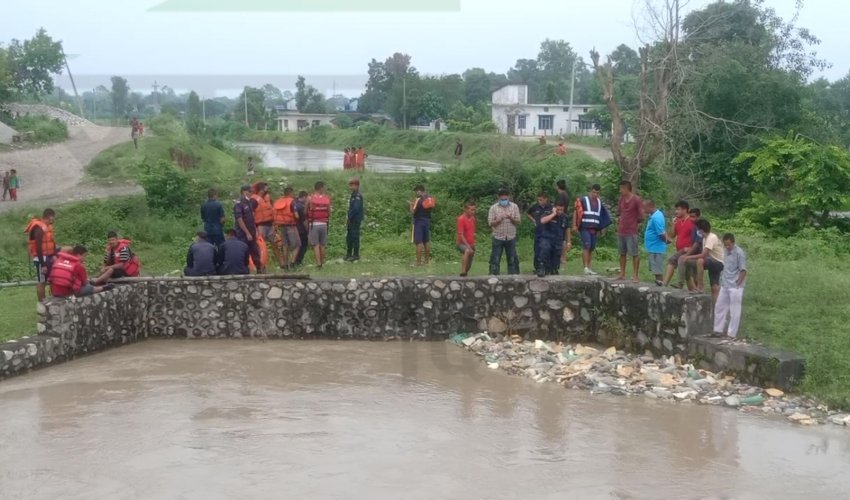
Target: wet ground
{"type": "Point", "coordinates": [302, 159]}
{"type": "Point", "coordinates": [290, 419]}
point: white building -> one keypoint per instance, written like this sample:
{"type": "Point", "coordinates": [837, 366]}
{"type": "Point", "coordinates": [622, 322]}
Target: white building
{"type": "Point", "coordinates": [291, 121]}
{"type": "Point", "coordinates": [514, 116]}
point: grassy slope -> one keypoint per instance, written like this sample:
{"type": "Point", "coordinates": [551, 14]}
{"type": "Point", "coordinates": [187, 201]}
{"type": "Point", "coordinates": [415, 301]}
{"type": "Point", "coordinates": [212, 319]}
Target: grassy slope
{"type": "Point", "coordinates": [792, 301]}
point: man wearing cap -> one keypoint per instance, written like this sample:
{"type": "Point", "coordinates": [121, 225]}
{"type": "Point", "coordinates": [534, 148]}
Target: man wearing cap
{"type": "Point", "coordinates": [246, 228]}
{"type": "Point", "coordinates": [200, 260]}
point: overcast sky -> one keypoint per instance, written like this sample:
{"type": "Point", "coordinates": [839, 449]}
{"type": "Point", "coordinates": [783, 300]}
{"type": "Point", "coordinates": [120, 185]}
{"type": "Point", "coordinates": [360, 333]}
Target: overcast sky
{"type": "Point", "coordinates": [218, 52]}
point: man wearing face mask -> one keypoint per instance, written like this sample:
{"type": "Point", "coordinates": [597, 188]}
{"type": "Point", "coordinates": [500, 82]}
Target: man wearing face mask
{"type": "Point", "coordinates": [504, 218]}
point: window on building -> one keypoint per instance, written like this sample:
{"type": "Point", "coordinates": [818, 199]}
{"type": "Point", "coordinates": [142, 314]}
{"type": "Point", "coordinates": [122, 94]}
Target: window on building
{"type": "Point", "coordinates": [585, 110]}
{"type": "Point", "coordinates": [545, 109]}
{"type": "Point", "coordinates": [566, 109]}
{"type": "Point", "coordinates": [584, 123]}
{"type": "Point", "coordinates": [520, 122]}
{"type": "Point", "coordinates": [545, 122]}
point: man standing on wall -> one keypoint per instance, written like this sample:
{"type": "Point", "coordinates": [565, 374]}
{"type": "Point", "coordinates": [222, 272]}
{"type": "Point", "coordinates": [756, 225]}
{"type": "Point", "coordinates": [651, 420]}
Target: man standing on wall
{"type": "Point", "coordinates": [246, 228]}
{"type": "Point", "coordinates": [353, 221]}
{"type": "Point", "coordinates": [42, 248]}
{"type": "Point", "coordinates": [504, 218]}
{"type": "Point", "coordinates": [655, 240]}
{"type": "Point", "coordinates": [591, 218]}
{"type": "Point", "coordinates": [212, 213]}
{"type": "Point", "coordinates": [684, 230]}
{"type": "Point", "coordinates": [421, 208]}
{"type": "Point", "coordinates": [732, 280]}
{"type": "Point", "coordinates": [631, 214]}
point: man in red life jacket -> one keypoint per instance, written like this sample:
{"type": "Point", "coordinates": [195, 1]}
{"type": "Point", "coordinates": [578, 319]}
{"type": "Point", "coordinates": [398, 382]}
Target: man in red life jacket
{"type": "Point", "coordinates": [42, 248]}
{"type": "Point", "coordinates": [346, 159]}
{"type": "Point", "coordinates": [318, 216]}
{"type": "Point", "coordinates": [119, 261]}
{"type": "Point", "coordinates": [68, 274]}
{"type": "Point", "coordinates": [360, 158]}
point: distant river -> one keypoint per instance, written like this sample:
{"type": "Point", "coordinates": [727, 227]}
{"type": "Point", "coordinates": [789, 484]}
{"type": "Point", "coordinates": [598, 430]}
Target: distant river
{"type": "Point", "coordinates": [303, 159]}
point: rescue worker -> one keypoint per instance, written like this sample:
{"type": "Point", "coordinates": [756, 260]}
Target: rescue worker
{"type": "Point", "coordinates": [285, 220]}
{"type": "Point", "coordinates": [246, 228]}
{"type": "Point", "coordinates": [591, 218]}
{"type": "Point", "coordinates": [556, 235]}
{"type": "Point", "coordinates": [360, 158]}
{"type": "Point", "coordinates": [200, 260]}
{"type": "Point", "coordinates": [233, 255]}
{"type": "Point", "coordinates": [42, 248]}
{"type": "Point", "coordinates": [318, 216]}
{"type": "Point", "coordinates": [353, 222]}
{"type": "Point", "coordinates": [346, 159]}
{"type": "Point", "coordinates": [119, 261]}
{"type": "Point", "coordinates": [302, 224]}
{"type": "Point", "coordinates": [264, 216]}
{"type": "Point", "coordinates": [68, 274]}
{"type": "Point", "coordinates": [212, 213]}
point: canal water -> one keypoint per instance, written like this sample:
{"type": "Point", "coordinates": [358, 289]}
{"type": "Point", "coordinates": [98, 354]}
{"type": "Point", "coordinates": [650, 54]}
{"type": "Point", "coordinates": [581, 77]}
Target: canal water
{"type": "Point", "coordinates": [303, 159]}
{"type": "Point", "coordinates": [243, 419]}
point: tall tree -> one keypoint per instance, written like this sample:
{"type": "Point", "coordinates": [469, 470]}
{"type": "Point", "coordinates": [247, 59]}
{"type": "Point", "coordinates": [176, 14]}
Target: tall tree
{"type": "Point", "coordinates": [120, 93]}
{"type": "Point", "coordinates": [301, 95]}
{"type": "Point", "coordinates": [31, 63]}
{"type": "Point", "coordinates": [194, 114]}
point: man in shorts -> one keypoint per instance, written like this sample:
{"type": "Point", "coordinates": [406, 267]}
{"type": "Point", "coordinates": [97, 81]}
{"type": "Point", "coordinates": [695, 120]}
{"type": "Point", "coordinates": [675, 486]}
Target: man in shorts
{"type": "Point", "coordinates": [466, 237]}
{"type": "Point", "coordinates": [655, 240]}
{"type": "Point", "coordinates": [631, 214]}
{"type": "Point", "coordinates": [591, 218]}
{"type": "Point", "coordinates": [421, 207]}
{"type": "Point", "coordinates": [42, 248]}
{"type": "Point", "coordinates": [318, 216]}
{"type": "Point", "coordinates": [710, 259]}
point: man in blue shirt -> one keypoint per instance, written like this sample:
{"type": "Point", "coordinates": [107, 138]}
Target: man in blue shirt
{"type": "Point", "coordinates": [212, 213]}
{"type": "Point", "coordinates": [200, 261]}
{"type": "Point", "coordinates": [233, 255]}
{"type": "Point", "coordinates": [246, 227]}
{"type": "Point", "coordinates": [353, 221]}
{"type": "Point", "coordinates": [655, 240]}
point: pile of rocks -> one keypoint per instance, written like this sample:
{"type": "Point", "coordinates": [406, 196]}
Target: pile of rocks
{"type": "Point", "coordinates": [66, 117]}
{"type": "Point", "coordinates": [611, 371]}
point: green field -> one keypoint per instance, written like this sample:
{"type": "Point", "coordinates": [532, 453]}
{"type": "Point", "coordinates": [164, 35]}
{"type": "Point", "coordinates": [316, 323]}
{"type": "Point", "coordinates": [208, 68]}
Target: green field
{"type": "Point", "coordinates": [798, 292]}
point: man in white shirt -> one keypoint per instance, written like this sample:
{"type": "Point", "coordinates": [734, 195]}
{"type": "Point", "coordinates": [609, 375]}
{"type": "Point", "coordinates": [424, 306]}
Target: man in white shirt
{"type": "Point", "coordinates": [709, 259]}
{"type": "Point", "coordinates": [732, 280]}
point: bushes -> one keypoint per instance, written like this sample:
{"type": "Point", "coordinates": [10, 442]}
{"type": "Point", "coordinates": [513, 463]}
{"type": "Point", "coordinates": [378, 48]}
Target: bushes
{"type": "Point", "coordinates": [43, 129]}
{"type": "Point", "coordinates": [166, 188]}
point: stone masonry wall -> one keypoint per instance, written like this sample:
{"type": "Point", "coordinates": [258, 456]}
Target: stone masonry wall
{"type": "Point", "coordinates": [568, 308]}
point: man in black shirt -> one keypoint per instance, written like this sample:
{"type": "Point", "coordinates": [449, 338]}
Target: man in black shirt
{"type": "Point", "coordinates": [300, 207]}
{"type": "Point", "coordinates": [353, 221]}
{"type": "Point", "coordinates": [233, 255]}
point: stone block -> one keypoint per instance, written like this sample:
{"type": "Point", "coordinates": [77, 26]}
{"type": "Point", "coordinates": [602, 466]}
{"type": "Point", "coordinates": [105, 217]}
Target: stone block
{"type": "Point", "coordinates": [753, 364]}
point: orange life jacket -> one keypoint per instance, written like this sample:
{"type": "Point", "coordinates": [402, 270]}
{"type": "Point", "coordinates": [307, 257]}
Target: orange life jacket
{"type": "Point", "coordinates": [264, 254]}
{"type": "Point", "coordinates": [346, 160]}
{"type": "Point", "coordinates": [63, 272]}
{"type": "Point", "coordinates": [133, 266]}
{"type": "Point", "coordinates": [320, 208]}
{"type": "Point", "coordinates": [284, 215]}
{"type": "Point", "coordinates": [360, 158]}
{"type": "Point", "coordinates": [48, 246]}
{"type": "Point", "coordinates": [264, 213]}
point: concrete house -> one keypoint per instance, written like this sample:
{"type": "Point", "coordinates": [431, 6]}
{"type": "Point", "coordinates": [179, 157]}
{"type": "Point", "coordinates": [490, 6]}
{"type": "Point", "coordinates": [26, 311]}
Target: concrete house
{"type": "Point", "coordinates": [513, 115]}
{"type": "Point", "coordinates": [291, 121]}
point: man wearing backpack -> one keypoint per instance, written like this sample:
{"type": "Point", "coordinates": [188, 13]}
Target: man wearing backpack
{"type": "Point", "coordinates": [421, 208]}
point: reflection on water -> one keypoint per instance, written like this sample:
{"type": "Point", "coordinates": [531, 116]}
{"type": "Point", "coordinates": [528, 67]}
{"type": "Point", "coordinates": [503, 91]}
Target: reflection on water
{"type": "Point", "coordinates": [290, 419]}
{"type": "Point", "coordinates": [305, 159]}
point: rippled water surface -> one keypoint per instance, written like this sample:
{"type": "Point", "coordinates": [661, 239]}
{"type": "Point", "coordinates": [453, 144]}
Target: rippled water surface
{"type": "Point", "coordinates": [296, 419]}
{"type": "Point", "coordinates": [300, 158]}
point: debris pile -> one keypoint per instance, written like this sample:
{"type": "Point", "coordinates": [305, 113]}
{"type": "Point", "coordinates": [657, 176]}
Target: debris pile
{"type": "Point", "coordinates": [611, 371]}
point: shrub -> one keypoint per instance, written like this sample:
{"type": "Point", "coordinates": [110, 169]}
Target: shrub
{"type": "Point", "coordinates": [42, 128]}
{"type": "Point", "coordinates": [166, 187]}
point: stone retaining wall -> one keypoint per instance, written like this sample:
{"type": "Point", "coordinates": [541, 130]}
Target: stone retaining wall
{"type": "Point", "coordinates": [596, 310]}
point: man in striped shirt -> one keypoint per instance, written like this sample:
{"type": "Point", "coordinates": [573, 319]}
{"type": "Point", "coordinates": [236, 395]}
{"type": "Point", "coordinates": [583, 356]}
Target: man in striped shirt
{"type": "Point", "coordinates": [504, 218]}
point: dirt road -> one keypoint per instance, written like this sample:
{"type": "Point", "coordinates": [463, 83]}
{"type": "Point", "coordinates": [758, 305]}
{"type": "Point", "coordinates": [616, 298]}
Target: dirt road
{"type": "Point", "coordinates": [601, 154]}
{"type": "Point", "coordinates": [54, 174]}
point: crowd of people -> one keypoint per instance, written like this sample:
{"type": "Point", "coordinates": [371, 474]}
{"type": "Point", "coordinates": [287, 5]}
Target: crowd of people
{"type": "Point", "coordinates": [292, 223]}
{"type": "Point", "coordinates": [354, 159]}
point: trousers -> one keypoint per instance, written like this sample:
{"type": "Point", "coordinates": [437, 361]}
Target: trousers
{"type": "Point", "coordinates": [728, 308]}
{"type": "Point", "coordinates": [352, 240]}
{"type": "Point", "coordinates": [508, 247]}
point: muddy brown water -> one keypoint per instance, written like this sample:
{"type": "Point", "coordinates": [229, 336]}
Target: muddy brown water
{"type": "Point", "coordinates": [244, 419]}
{"type": "Point", "coordinates": [304, 159]}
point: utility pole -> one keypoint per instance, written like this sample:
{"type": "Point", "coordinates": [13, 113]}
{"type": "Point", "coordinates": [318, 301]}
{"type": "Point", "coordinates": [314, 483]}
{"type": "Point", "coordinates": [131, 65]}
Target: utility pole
{"type": "Point", "coordinates": [572, 89]}
{"type": "Point", "coordinates": [156, 92]}
{"type": "Point", "coordinates": [94, 103]}
{"type": "Point", "coordinates": [74, 85]}
{"type": "Point", "coordinates": [204, 111]}
{"type": "Point", "coordinates": [245, 93]}
{"type": "Point", "coordinates": [404, 100]}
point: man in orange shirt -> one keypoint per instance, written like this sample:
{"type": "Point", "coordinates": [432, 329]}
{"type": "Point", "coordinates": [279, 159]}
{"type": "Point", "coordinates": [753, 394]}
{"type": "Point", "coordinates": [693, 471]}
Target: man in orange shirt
{"type": "Point", "coordinates": [466, 237]}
